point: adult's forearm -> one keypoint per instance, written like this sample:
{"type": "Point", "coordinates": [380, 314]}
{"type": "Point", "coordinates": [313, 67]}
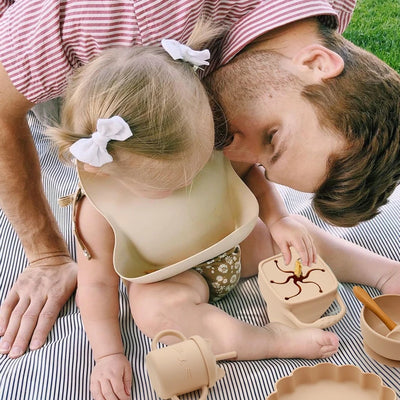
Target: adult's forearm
{"type": "Point", "coordinates": [21, 193]}
{"type": "Point", "coordinates": [31, 306]}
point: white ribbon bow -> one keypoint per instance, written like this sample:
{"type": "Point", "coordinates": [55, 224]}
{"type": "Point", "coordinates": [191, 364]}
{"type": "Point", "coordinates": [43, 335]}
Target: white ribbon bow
{"type": "Point", "coordinates": [179, 51]}
{"type": "Point", "coordinates": [93, 150]}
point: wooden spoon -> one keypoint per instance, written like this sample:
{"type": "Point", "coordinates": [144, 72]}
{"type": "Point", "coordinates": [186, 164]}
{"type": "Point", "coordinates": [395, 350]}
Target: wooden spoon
{"type": "Point", "coordinates": [372, 305]}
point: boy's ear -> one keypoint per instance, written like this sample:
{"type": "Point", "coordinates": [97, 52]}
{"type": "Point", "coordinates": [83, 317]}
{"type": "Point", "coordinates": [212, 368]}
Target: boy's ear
{"type": "Point", "coordinates": [318, 60]}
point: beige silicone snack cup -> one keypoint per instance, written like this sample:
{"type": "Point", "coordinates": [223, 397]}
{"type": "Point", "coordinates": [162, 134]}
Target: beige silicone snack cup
{"type": "Point", "coordinates": [299, 301]}
{"type": "Point", "coordinates": [183, 367]}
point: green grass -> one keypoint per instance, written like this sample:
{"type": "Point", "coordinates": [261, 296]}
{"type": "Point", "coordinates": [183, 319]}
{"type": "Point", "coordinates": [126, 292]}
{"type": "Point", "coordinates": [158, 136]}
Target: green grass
{"type": "Point", "coordinates": [375, 26]}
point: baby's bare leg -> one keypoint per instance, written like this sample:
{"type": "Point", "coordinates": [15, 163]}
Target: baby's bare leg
{"type": "Point", "coordinates": [181, 303]}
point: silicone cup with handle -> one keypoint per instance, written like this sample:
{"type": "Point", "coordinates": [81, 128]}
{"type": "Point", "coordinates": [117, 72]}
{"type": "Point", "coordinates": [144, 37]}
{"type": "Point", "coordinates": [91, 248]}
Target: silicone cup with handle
{"type": "Point", "coordinates": [161, 334]}
{"type": "Point", "coordinates": [372, 305]}
{"type": "Point", "coordinates": [214, 372]}
{"type": "Point", "coordinates": [154, 344]}
{"type": "Point", "coordinates": [320, 323]}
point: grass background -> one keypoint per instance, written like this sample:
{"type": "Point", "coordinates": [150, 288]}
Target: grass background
{"type": "Point", "coordinates": [375, 26]}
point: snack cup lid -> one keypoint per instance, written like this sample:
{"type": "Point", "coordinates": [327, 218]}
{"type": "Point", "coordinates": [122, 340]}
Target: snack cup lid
{"type": "Point", "coordinates": [316, 280]}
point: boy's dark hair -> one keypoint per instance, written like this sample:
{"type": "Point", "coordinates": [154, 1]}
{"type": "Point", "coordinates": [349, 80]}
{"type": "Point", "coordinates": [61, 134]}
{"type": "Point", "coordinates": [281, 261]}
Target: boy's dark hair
{"type": "Point", "coordinates": [363, 104]}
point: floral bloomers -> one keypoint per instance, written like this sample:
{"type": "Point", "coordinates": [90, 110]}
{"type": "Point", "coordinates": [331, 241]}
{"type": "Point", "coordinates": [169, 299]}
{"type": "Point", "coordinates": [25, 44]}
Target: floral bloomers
{"type": "Point", "coordinates": [221, 273]}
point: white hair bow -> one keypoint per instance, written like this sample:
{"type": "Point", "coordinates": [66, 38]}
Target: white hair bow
{"type": "Point", "coordinates": [93, 150]}
{"type": "Point", "coordinates": [179, 51]}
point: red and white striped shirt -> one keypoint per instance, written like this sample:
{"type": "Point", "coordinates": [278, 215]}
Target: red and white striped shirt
{"type": "Point", "coordinates": [43, 41]}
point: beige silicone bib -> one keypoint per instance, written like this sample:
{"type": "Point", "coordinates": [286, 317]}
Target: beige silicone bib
{"type": "Point", "coordinates": [159, 238]}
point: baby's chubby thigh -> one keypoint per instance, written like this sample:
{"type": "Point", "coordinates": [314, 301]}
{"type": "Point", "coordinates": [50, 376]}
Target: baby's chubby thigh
{"type": "Point", "coordinates": [167, 304]}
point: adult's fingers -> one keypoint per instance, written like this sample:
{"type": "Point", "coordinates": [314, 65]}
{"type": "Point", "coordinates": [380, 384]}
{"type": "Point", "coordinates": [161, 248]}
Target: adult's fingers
{"type": "Point", "coordinates": [47, 317]}
{"type": "Point", "coordinates": [20, 311]}
{"type": "Point", "coordinates": [36, 324]}
{"type": "Point", "coordinates": [33, 304]}
{"type": "Point", "coordinates": [6, 309]}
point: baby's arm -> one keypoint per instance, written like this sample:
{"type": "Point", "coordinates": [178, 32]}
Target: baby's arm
{"type": "Point", "coordinates": [284, 230]}
{"type": "Point", "coordinates": [97, 297]}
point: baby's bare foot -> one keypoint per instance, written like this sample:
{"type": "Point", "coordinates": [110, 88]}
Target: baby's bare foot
{"type": "Point", "coordinates": [287, 342]}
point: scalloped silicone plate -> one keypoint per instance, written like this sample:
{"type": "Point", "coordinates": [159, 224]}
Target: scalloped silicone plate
{"type": "Point", "coordinates": [328, 381]}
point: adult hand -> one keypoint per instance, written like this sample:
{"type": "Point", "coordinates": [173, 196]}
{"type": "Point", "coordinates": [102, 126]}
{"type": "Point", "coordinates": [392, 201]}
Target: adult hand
{"type": "Point", "coordinates": [32, 305]}
{"type": "Point", "coordinates": [111, 378]}
{"type": "Point", "coordinates": [288, 232]}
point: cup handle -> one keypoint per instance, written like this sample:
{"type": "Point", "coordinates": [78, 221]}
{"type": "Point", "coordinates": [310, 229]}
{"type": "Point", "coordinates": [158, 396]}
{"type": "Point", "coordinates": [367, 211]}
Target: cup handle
{"type": "Point", "coordinates": [168, 332]}
{"type": "Point", "coordinates": [323, 322]}
{"type": "Point", "coordinates": [203, 395]}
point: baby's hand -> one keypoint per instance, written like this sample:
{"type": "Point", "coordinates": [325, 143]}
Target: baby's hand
{"type": "Point", "coordinates": [111, 378]}
{"type": "Point", "coordinates": [288, 232]}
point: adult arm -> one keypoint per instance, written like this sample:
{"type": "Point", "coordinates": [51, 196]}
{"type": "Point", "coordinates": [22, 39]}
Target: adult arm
{"type": "Point", "coordinates": [31, 307]}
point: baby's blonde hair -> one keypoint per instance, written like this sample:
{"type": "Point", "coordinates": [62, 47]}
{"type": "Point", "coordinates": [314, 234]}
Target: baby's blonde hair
{"type": "Point", "coordinates": [162, 100]}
